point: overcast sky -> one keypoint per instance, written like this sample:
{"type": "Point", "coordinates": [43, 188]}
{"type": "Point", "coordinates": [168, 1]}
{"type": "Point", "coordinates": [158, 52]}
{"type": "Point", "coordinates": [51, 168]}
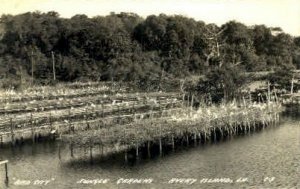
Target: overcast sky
{"type": "Point", "coordinates": [281, 13]}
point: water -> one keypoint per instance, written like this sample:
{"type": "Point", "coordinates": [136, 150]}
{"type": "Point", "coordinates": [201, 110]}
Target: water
{"type": "Point", "coordinates": [268, 159]}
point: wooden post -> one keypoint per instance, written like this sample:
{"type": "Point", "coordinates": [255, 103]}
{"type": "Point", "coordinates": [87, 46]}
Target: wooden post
{"type": "Point", "coordinates": [1, 140]}
{"type": "Point", "coordinates": [5, 162]}
{"type": "Point", "coordinates": [173, 143]}
{"type": "Point", "coordinates": [53, 65]}
{"type": "Point", "coordinates": [86, 119]}
{"type": "Point", "coordinates": [126, 157]}
{"type": "Point", "coordinates": [119, 114]}
{"type": "Point", "coordinates": [148, 149]}
{"type": "Point", "coordinates": [50, 121]}
{"type": "Point", "coordinates": [133, 108]}
{"type": "Point", "coordinates": [12, 132]}
{"type": "Point", "coordinates": [187, 139]}
{"type": "Point", "coordinates": [199, 135]}
{"type": "Point", "coordinates": [59, 156]}
{"type": "Point", "coordinates": [6, 173]}
{"type": "Point", "coordinates": [69, 124]}
{"type": "Point", "coordinates": [292, 85]}
{"type": "Point", "coordinates": [91, 153]}
{"type": "Point", "coordinates": [269, 92]}
{"type": "Point", "coordinates": [102, 110]}
{"type": "Point", "coordinates": [71, 149]}
{"type": "Point", "coordinates": [160, 146]}
{"type": "Point", "coordinates": [250, 97]}
{"type": "Point", "coordinates": [221, 131]}
{"type": "Point", "coordinates": [160, 143]}
{"type": "Point", "coordinates": [215, 136]}
{"type": "Point", "coordinates": [137, 151]}
{"type": "Point", "coordinates": [192, 102]}
{"type": "Point", "coordinates": [275, 94]}
{"type": "Point", "coordinates": [32, 128]}
{"type": "Point", "coordinates": [244, 101]}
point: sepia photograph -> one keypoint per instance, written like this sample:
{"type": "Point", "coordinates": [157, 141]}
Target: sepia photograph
{"type": "Point", "coordinates": [150, 94]}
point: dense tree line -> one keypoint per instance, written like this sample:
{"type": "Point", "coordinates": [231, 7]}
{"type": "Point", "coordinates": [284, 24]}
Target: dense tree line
{"type": "Point", "coordinates": [127, 47]}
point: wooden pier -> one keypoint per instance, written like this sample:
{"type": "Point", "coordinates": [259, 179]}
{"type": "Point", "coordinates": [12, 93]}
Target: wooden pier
{"type": "Point", "coordinates": [119, 122]}
{"type": "Point", "coordinates": [183, 124]}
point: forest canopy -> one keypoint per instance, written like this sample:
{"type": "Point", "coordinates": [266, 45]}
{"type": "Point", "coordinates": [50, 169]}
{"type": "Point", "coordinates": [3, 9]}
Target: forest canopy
{"type": "Point", "coordinates": [127, 47]}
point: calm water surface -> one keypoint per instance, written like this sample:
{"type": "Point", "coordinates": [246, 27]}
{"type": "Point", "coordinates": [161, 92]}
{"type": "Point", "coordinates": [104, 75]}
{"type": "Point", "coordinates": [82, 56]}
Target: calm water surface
{"type": "Point", "coordinates": [268, 159]}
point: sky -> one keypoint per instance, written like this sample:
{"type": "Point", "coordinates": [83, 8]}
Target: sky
{"type": "Point", "coordinates": [273, 13]}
